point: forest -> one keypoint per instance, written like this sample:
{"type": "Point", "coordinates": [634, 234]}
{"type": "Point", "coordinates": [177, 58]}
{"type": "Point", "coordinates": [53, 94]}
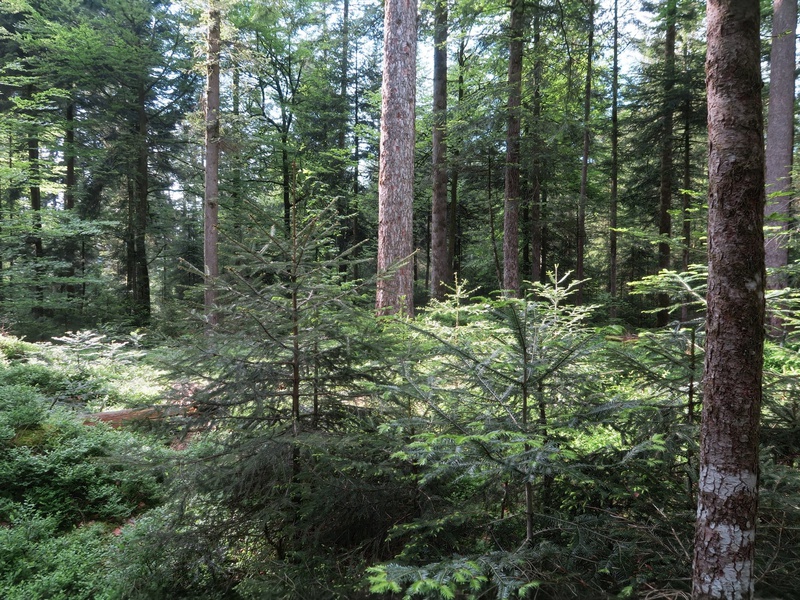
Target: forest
{"type": "Point", "coordinates": [363, 299]}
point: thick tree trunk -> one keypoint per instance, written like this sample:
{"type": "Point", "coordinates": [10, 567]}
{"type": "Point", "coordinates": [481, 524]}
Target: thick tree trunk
{"type": "Point", "coordinates": [780, 129]}
{"type": "Point", "coordinates": [665, 186]}
{"type": "Point", "coordinates": [138, 268]}
{"type": "Point", "coordinates": [512, 171]}
{"type": "Point", "coordinates": [441, 274]}
{"type": "Point", "coordinates": [211, 200]}
{"type": "Point", "coordinates": [587, 105]}
{"type": "Point", "coordinates": [728, 482]}
{"type": "Point", "coordinates": [396, 172]}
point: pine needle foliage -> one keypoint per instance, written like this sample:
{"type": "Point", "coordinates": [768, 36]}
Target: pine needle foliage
{"type": "Point", "coordinates": [543, 457]}
{"type": "Point", "coordinates": [290, 487]}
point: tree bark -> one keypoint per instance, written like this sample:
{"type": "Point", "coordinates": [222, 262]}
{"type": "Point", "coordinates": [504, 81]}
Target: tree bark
{"type": "Point", "coordinates": [780, 138]}
{"type": "Point", "coordinates": [395, 292]}
{"type": "Point", "coordinates": [138, 268]}
{"type": "Point", "coordinates": [69, 157]}
{"type": "Point", "coordinates": [441, 272]}
{"type": "Point", "coordinates": [211, 200]}
{"type": "Point", "coordinates": [512, 171]}
{"type": "Point", "coordinates": [728, 483]}
{"type": "Point", "coordinates": [612, 242]}
{"type": "Point", "coordinates": [665, 185]}
{"type": "Point", "coordinates": [35, 189]}
{"type": "Point", "coordinates": [453, 234]}
{"type": "Point", "coordinates": [535, 227]}
{"type": "Point", "coordinates": [587, 105]}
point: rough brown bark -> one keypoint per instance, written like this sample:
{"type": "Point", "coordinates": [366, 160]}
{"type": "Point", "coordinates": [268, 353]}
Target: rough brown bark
{"type": "Point", "coordinates": [512, 171]}
{"type": "Point", "coordinates": [665, 185]}
{"type": "Point", "coordinates": [211, 200]}
{"type": "Point", "coordinates": [728, 482]}
{"type": "Point", "coordinates": [441, 272]}
{"type": "Point", "coordinates": [780, 129]}
{"type": "Point", "coordinates": [396, 170]}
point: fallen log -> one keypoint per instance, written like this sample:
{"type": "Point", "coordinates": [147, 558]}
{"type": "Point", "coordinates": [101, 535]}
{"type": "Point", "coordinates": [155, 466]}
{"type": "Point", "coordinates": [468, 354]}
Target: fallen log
{"type": "Point", "coordinates": [118, 418]}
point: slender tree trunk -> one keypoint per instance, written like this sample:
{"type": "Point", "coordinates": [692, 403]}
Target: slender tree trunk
{"type": "Point", "coordinates": [587, 105]}
{"type": "Point", "coordinates": [69, 155]}
{"type": "Point", "coordinates": [545, 233]}
{"type": "Point", "coordinates": [512, 170]}
{"type": "Point", "coordinates": [780, 139]}
{"type": "Point", "coordinates": [396, 171]}
{"type": "Point", "coordinates": [70, 185]}
{"type": "Point", "coordinates": [344, 66]}
{"type": "Point", "coordinates": [341, 142]}
{"type": "Point", "coordinates": [665, 186]}
{"type": "Point", "coordinates": [612, 242]}
{"type": "Point", "coordinates": [686, 196]}
{"type": "Point", "coordinates": [35, 177]}
{"type": "Point", "coordinates": [728, 483]}
{"type": "Point", "coordinates": [211, 200]}
{"type": "Point", "coordinates": [355, 228]}
{"type": "Point", "coordinates": [441, 272]}
{"type": "Point", "coordinates": [535, 228]}
{"type": "Point", "coordinates": [286, 178]}
{"type": "Point", "coordinates": [453, 254]}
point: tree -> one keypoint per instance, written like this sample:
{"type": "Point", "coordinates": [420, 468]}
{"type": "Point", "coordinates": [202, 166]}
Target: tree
{"type": "Point", "coordinates": [612, 224]}
{"type": "Point", "coordinates": [211, 200]}
{"type": "Point", "coordinates": [396, 177]}
{"type": "Point", "coordinates": [666, 167]}
{"type": "Point", "coordinates": [516, 45]}
{"type": "Point", "coordinates": [584, 191]}
{"type": "Point", "coordinates": [780, 129]}
{"type": "Point", "coordinates": [728, 484]}
{"type": "Point", "coordinates": [441, 268]}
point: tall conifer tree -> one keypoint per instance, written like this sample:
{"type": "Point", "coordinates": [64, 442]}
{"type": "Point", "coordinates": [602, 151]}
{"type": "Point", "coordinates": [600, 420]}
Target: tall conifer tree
{"type": "Point", "coordinates": [396, 178]}
{"type": "Point", "coordinates": [724, 548]}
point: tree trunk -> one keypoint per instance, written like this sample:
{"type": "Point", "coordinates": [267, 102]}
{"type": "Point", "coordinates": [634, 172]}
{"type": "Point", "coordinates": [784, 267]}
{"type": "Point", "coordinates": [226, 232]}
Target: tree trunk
{"type": "Point", "coordinates": [512, 171]}
{"type": "Point", "coordinates": [441, 272]}
{"type": "Point", "coordinates": [728, 483]}
{"type": "Point", "coordinates": [344, 203]}
{"type": "Point", "coordinates": [34, 181]}
{"type": "Point", "coordinates": [780, 129]}
{"type": "Point", "coordinates": [69, 156]}
{"type": "Point", "coordinates": [612, 241]}
{"type": "Point", "coordinates": [396, 171]}
{"type": "Point", "coordinates": [453, 236]}
{"type": "Point", "coordinates": [211, 200]}
{"type": "Point", "coordinates": [138, 268]}
{"type": "Point", "coordinates": [587, 105]}
{"type": "Point", "coordinates": [686, 196]}
{"type": "Point", "coordinates": [535, 228]}
{"type": "Point", "coordinates": [286, 178]}
{"type": "Point", "coordinates": [665, 186]}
